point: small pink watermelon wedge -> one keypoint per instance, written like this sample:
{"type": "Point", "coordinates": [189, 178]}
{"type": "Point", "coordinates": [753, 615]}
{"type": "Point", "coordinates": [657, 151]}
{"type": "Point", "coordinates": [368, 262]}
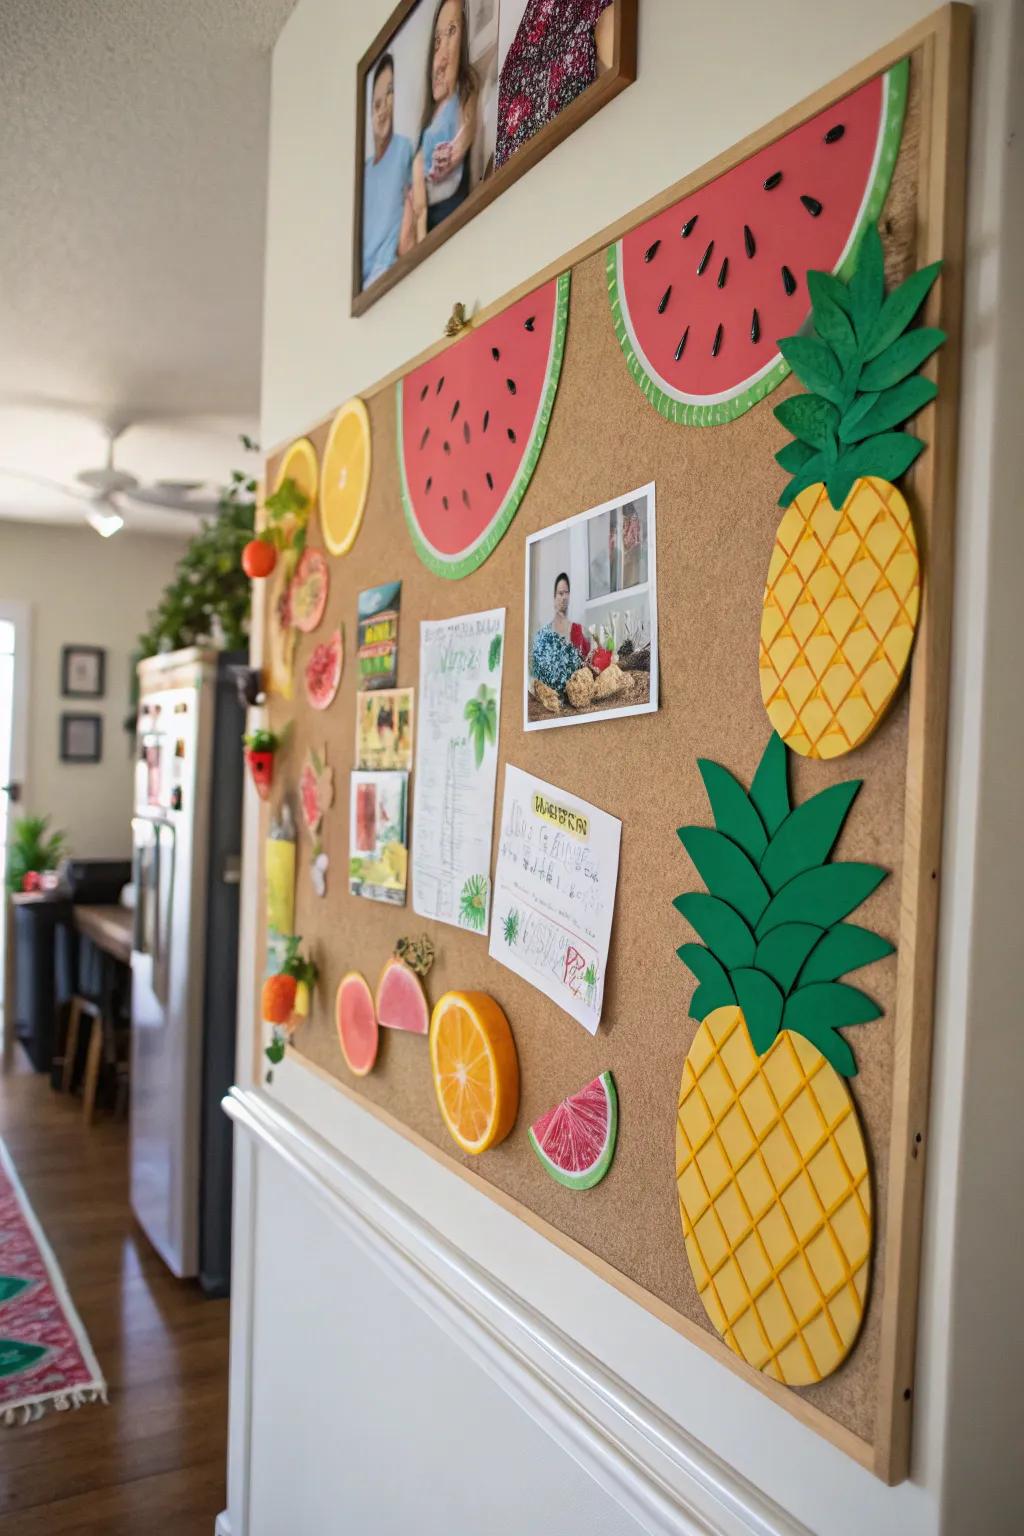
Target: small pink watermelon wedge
{"type": "Point", "coordinates": [401, 1001]}
{"type": "Point", "coordinates": [358, 1035]}
{"type": "Point", "coordinates": [575, 1141]}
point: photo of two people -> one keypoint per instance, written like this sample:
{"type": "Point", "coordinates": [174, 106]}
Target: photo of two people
{"type": "Point", "coordinates": [460, 86]}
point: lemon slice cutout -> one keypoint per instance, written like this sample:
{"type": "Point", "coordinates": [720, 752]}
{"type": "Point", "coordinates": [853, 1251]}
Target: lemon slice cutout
{"type": "Point", "coordinates": [346, 477]}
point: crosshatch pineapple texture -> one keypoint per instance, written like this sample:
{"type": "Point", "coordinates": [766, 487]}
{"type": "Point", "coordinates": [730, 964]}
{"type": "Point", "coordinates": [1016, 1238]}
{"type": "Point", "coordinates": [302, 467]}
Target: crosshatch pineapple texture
{"type": "Point", "coordinates": [717, 492]}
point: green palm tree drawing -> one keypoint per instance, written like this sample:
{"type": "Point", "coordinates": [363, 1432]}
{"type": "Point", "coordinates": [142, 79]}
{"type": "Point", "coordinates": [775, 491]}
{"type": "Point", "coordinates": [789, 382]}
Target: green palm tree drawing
{"type": "Point", "coordinates": [481, 715]}
{"type": "Point", "coordinates": [511, 927]}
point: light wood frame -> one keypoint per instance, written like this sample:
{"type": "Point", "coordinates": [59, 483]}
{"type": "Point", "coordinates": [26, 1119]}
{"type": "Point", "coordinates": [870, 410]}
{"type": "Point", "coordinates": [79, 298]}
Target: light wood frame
{"type": "Point", "coordinates": [607, 85]}
{"type": "Point", "coordinates": [944, 44]}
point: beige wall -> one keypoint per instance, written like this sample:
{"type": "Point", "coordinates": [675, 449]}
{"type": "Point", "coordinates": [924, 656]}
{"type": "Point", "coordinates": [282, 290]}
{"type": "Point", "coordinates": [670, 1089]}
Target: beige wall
{"type": "Point", "coordinates": [88, 591]}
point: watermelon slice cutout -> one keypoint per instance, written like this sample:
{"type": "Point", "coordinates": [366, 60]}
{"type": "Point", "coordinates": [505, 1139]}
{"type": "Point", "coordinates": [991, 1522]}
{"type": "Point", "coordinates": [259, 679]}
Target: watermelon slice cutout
{"type": "Point", "coordinates": [401, 1002]}
{"type": "Point", "coordinates": [471, 426]}
{"type": "Point", "coordinates": [701, 293]}
{"type": "Point", "coordinates": [575, 1141]}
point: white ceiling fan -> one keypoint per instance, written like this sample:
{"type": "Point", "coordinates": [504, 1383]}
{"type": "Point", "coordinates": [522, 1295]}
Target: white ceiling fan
{"type": "Point", "coordinates": [102, 490]}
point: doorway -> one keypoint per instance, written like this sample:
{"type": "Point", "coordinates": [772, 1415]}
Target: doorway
{"type": "Point", "coordinates": [14, 643]}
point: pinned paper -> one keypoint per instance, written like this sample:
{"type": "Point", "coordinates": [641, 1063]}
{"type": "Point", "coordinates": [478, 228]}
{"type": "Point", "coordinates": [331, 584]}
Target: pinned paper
{"type": "Point", "coordinates": [378, 635]}
{"type": "Point", "coordinates": [378, 848]}
{"type": "Point", "coordinates": [384, 729]}
{"type": "Point", "coordinates": [316, 794]}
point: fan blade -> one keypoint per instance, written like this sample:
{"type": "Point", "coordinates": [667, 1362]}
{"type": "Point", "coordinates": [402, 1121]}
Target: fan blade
{"type": "Point", "coordinates": [171, 501]}
{"type": "Point", "coordinates": [51, 485]}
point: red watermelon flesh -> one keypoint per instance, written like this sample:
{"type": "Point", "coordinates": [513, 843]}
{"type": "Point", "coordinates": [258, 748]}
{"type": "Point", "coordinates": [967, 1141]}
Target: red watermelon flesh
{"type": "Point", "coordinates": [471, 425]}
{"type": "Point", "coordinates": [701, 293]}
{"type": "Point", "coordinates": [575, 1141]}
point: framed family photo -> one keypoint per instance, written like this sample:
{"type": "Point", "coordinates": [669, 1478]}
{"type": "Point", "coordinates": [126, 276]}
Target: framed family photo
{"type": "Point", "coordinates": [82, 671]}
{"type": "Point", "coordinates": [455, 100]}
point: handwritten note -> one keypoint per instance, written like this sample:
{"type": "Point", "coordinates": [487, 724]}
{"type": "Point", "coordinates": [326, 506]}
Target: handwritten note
{"type": "Point", "coordinates": [456, 767]}
{"type": "Point", "coordinates": [554, 893]}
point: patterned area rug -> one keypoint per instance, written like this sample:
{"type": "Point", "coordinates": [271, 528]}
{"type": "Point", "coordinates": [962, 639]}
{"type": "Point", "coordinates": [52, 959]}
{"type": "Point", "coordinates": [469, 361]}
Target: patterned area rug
{"type": "Point", "coordinates": [46, 1360]}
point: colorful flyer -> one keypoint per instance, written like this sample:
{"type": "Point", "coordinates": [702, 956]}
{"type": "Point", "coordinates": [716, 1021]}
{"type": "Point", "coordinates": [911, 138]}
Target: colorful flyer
{"type": "Point", "coordinates": [554, 893]}
{"type": "Point", "coordinates": [456, 767]}
{"type": "Point", "coordinates": [384, 726]}
{"type": "Point", "coordinates": [378, 862]}
{"type": "Point", "coordinates": [378, 635]}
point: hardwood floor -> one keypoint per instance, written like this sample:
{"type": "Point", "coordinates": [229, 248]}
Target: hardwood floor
{"type": "Point", "coordinates": [154, 1459]}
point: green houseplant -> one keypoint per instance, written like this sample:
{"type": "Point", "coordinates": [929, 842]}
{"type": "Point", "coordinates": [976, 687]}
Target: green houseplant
{"type": "Point", "coordinates": [32, 850]}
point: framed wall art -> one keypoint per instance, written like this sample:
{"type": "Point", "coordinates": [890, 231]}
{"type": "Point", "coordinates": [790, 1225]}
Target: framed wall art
{"type": "Point", "coordinates": [83, 671]}
{"type": "Point", "coordinates": [455, 100]}
{"type": "Point", "coordinates": [81, 738]}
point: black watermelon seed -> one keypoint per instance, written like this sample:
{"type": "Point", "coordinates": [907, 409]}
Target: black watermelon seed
{"type": "Point", "coordinates": [487, 420]}
{"type": "Point", "coordinates": [511, 435]}
{"type": "Point", "coordinates": [651, 251]}
{"type": "Point", "coordinates": [717, 342]}
{"type": "Point", "coordinates": [723, 273]}
{"type": "Point", "coordinates": [423, 391]}
{"type": "Point", "coordinates": [748, 239]}
{"type": "Point", "coordinates": [687, 229]}
{"type": "Point", "coordinates": [447, 446]}
{"type": "Point", "coordinates": [444, 502]}
{"type": "Point", "coordinates": [465, 430]}
{"type": "Point", "coordinates": [682, 344]}
{"type": "Point", "coordinates": [465, 497]}
{"type": "Point", "coordinates": [490, 481]}
{"type": "Point", "coordinates": [455, 410]}
{"type": "Point", "coordinates": [755, 327]}
{"type": "Point", "coordinates": [510, 385]}
{"type": "Point", "coordinates": [788, 281]}
{"type": "Point", "coordinates": [440, 385]}
{"type": "Point", "coordinates": [811, 204]}
{"type": "Point", "coordinates": [835, 134]}
{"type": "Point", "coordinates": [496, 354]}
{"type": "Point", "coordinates": [423, 439]}
{"type": "Point", "coordinates": [430, 481]}
{"type": "Point", "coordinates": [663, 305]}
{"type": "Point", "coordinates": [529, 324]}
{"type": "Point", "coordinates": [705, 258]}
{"type": "Point", "coordinates": [772, 181]}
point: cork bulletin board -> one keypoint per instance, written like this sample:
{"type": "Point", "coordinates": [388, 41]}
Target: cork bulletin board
{"type": "Point", "coordinates": [717, 490]}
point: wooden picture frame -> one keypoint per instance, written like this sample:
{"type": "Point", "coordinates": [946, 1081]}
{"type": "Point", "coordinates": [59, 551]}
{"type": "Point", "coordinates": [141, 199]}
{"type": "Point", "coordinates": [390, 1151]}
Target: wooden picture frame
{"type": "Point", "coordinates": [608, 84]}
{"type": "Point", "coordinates": [89, 662]}
{"type": "Point", "coordinates": [75, 749]}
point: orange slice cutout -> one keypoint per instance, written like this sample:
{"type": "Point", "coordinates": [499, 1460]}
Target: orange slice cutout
{"type": "Point", "coordinates": [476, 1069]}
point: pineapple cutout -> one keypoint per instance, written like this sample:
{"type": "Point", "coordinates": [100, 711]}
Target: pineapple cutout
{"type": "Point", "coordinates": [772, 1174]}
{"type": "Point", "coordinates": [844, 582]}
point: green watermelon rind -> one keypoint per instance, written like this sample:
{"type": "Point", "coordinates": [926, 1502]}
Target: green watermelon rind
{"type": "Point", "coordinates": [685, 413]}
{"type": "Point", "coordinates": [596, 1172]}
{"type": "Point", "coordinates": [454, 567]}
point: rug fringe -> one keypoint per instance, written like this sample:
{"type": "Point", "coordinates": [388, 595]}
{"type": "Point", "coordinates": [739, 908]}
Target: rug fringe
{"type": "Point", "coordinates": [60, 1402]}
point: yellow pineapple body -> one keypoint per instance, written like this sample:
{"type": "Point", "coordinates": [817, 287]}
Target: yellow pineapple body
{"type": "Point", "coordinates": [840, 608]}
{"type": "Point", "coordinates": [774, 1198]}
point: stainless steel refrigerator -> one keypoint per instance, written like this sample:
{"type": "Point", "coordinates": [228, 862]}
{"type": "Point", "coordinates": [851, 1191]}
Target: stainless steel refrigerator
{"type": "Point", "coordinates": [186, 835]}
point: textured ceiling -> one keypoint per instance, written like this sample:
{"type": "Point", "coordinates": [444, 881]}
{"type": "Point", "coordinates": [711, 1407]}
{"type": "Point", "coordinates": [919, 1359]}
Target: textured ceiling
{"type": "Point", "coordinates": [133, 157]}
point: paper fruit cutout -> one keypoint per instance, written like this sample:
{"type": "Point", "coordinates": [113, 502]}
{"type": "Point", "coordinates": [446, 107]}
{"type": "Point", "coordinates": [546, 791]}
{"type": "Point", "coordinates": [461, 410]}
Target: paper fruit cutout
{"type": "Point", "coordinates": [356, 1019]}
{"type": "Point", "coordinates": [316, 796]}
{"type": "Point", "coordinates": [471, 425]}
{"type": "Point", "coordinates": [844, 582]}
{"type": "Point", "coordinates": [323, 671]}
{"type": "Point", "coordinates": [476, 1069]}
{"type": "Point", "coordinates": [700, 292]}
{"type": "Point", "coordinates": [309, 590]}
{"type": "Point", "coordinates": [401, 1001]}
{"type": "Point", "coordinates": [575, 1141]}
{"type": "Point", "coordinates": [260, 747]}
{"type": "Point", "coordinates": [258, 559]}
{"type": "Point", "coordinates": [286, 516]}
{"type": "Point", "coordinates": [774, 1192]}
{"type": "Point", "coordinates": [346, 477]}
{"type": "Point", "coordinates": [286, 994]}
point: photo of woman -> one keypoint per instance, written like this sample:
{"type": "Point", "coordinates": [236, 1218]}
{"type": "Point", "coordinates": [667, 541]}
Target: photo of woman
{"type": "Point", "coordinates": [558, 50]}
{"type": "Point", "coordinates": [561, 626]}
{"type": "Point", "coordinates": [440, 171]}
{"type": "Point", "coordinates": [387, 174]}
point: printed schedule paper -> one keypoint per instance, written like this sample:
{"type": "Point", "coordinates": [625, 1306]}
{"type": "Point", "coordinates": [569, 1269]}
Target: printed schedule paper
{"type": "Point", "coordinates": [554, 893]}
{"type": "Point", "coordinates": [459, 706]}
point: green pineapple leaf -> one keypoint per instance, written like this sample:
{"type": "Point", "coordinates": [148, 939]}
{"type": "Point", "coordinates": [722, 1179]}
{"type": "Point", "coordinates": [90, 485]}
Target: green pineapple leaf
{"type": "Point", "coordinates": [822, 896]}
{"type": "Point", "coordinates": [832, 315]}
{"type": "Point", "coordinates": [844, 948]}
{"type": "Point", "coordinates": [714, 989]}
{"type": "Point", "coordinates": [761, 1002]}
{"type": "Point", "coordinates": [807, 835]}
{"type": "Point", "coordinates": [732, 809]}
{"type": "Point", "coordinates": [769, 789]}
{"type": "Point", "coordinates": [898, 310]}
{"type": "Point", "coordinates": [782, 952]}
{"type": "Point", "coordinates": [721, 928]}
{"type": "Point", "coordinates": [829, 290]}
{"type": "Point", "coordinates": [794, 456]}
{"type": "Point", "coordinates": [891, 407]}
{"type": "Point", "coordinates": [888, 455]}
{"type": "Point", "coordinates": [815, 365]}
{"type": "Point", "coordinates": [831, 1045]}
{"type": "Point", "coordinates": [832, 1001]}
{"type": "Point", "coordinates": [899, 360]}
{"type": "Point", "coordinates": [726, 871]}
{"type": "Point", "coordinates": [810, 418]}
{"type": "Point", "coordinates": [867, 285]}
{"type": "Point", "coordinates": [813, 471]}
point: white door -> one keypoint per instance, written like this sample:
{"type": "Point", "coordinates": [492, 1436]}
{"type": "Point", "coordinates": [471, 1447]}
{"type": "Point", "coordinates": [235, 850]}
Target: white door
{"type": "Point", "coordinates": [14, 693]}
